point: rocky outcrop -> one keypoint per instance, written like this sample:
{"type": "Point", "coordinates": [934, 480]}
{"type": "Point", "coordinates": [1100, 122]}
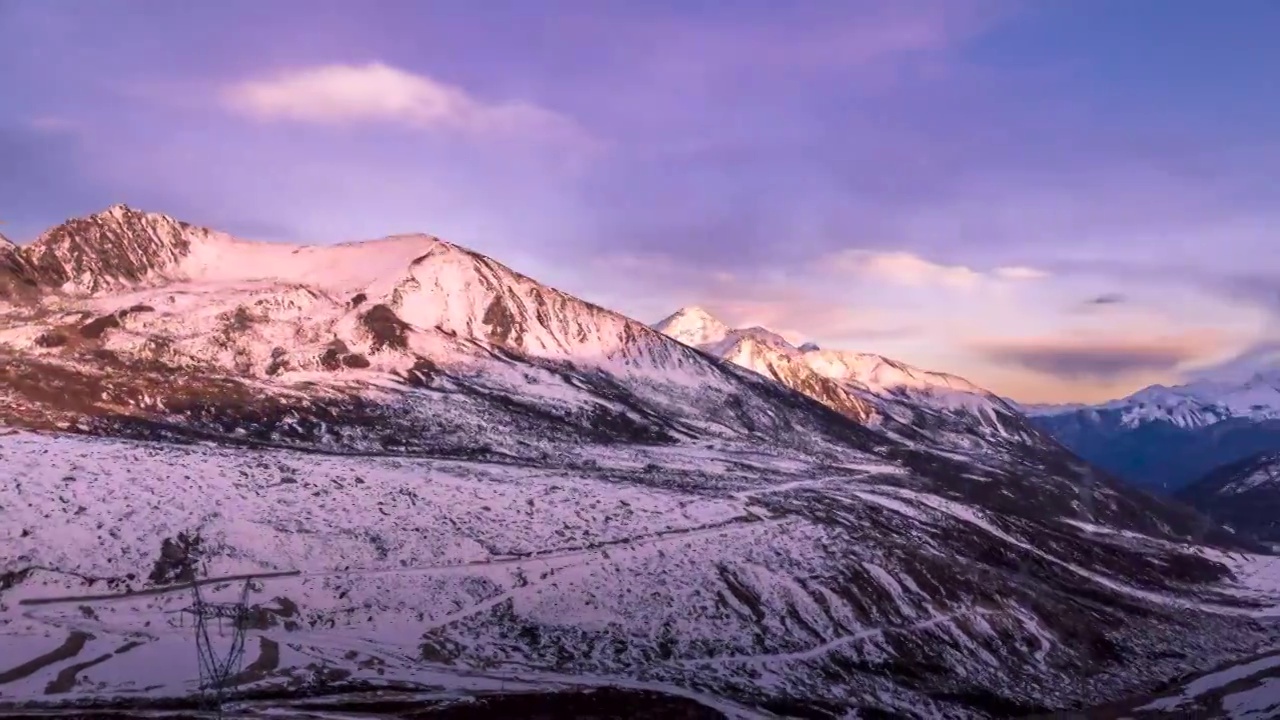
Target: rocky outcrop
{"type": "Point", "coordinates": [110, 249]}
{"type": "Point", "coordinates": [17, 277]}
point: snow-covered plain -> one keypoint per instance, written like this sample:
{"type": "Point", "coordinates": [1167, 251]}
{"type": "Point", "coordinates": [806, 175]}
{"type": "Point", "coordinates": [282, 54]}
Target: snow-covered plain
{"type": "Point", "coordinates": [741, 585]}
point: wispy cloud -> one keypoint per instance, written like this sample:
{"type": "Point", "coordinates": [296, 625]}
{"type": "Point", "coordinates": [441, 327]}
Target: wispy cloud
{"type": "Point", "coordinates": [871, 45]}
{"type": "Point", "coordinates": [52, 123]}
{"type": "Point", "coordinates": [905, 268]}
{"type": "Point", "coordinates": [1106, 299]}
{"type": "Point", "coordinates": [378, 93]}
{"type": "Point", "coordinates": [1019, 272]}
{"type": "Point", "coordinates": [1101, 358]}
{"type": "Point", "coordinates": [1263, 355]}
{"type": "Point", "coordinates": [798, 308]}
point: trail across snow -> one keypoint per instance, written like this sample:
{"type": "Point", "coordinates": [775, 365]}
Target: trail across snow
{"type": "Point", "coordinates": [832, 645]}
{"type": "Point", "coordinates": [549, 558]}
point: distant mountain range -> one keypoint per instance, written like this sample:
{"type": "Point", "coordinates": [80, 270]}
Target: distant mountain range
{"type": "Point", "coordinates": [1164, 438]}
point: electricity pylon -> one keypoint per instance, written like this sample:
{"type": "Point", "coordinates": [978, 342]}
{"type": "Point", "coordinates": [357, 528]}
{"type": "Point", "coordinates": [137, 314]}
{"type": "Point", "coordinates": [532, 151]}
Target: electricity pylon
{"type": "Point", "coordinates": [217, 667]}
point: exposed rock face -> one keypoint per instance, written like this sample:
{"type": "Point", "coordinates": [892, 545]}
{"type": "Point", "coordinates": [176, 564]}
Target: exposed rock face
{"type": "Point", "coordinates": [17, 277]}
{"type": "Point", "coordinates": [111, 249]}
{"type": "Point", "coordinates": [108, 250]}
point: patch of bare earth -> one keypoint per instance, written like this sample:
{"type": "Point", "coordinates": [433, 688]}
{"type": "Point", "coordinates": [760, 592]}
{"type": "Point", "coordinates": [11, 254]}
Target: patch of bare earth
{"type": "Point", "coordinates": [70, 648]}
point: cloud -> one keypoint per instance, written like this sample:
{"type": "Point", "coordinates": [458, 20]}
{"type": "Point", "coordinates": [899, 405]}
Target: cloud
{"type": "Point", "coordinates": [378, 93]}
{"type": "Point", "coordinates": [52, 123]}
{"type": "Point", "coordinates": [1261, 290]}
{"type": "Point", "coordinates": [870, 45]}
{"type": "Point", "coordinates": [650, 286]}
{"type": "Point", "coordinates": [1101, 358]}
{"type": "Point", "coordinates": [905, 268]}
{"type": "Point", "coordinates": [1262, 355]}
{"type": "Point", "coordinates": [1106, 299]}
{"type": "Point", "coordinates": [1019, 272]}
{"type": "Point", "coordinates": [802, 317]}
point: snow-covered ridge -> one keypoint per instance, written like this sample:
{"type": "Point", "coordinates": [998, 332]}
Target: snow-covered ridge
{"type": "Point", "coordinates": [110, 250]}
{"type": "Point", "coordinates": [879, 374]}
{"type": "Point", "coordinates": [1195, 404]}
{"type": "Point", "coordinates": [874, 378]}
{"type": "Point", "coordinates": [1255, 475]}
{"type": "Point", "coordinates": [764, 352]}
{"type": "Point", "coordinates": [123, 257]}
{"type": "Point", "coordinates": [1244, 495]}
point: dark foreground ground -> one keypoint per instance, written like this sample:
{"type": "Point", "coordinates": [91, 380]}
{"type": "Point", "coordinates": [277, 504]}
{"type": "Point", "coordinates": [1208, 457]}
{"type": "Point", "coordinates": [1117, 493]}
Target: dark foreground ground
{"type": "Point", "coordinates": [568, 705]}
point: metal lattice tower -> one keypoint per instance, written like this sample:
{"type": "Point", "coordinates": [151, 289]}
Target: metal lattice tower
{"type": "Point", "coordinates": [217, 667]}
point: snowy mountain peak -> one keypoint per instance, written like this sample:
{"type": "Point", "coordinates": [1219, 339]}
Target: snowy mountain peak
{"type": "Point", "coordinates": [471, 295]}
{"type": "Point", "coordinates": [119, 210]}
{"type": "Point", "coordinates": [1264, 379]}
{"type": "Point", "coordinates": [693, 326]}
{"type": "Point", "coordinates": [1169, 436]}
{"type": "Point", "coordinates": [267, 309]}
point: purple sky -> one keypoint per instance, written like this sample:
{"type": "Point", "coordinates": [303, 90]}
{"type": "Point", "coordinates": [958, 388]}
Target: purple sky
{"type": "Point", "coordinates": [1059, 199]}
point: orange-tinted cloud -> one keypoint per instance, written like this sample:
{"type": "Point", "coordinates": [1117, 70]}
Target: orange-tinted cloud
{"type": "Point", "coordinates": [1102, 358]}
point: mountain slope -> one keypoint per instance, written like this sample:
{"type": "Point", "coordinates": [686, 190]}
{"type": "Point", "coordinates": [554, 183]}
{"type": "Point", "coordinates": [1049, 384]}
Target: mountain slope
{"type": "Point", "coordinates": [1164, 438]}
{"type": "Point", "coordinates": [1244, 494]}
